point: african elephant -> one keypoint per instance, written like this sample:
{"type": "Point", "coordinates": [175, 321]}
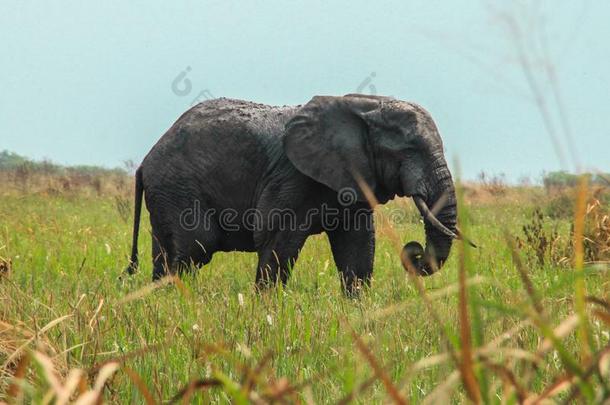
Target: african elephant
{"type": "Point", "coordinates": [233, 175]}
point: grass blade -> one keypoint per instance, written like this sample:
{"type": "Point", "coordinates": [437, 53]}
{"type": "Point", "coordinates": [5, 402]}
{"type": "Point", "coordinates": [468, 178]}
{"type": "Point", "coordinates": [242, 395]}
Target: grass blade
{"type": "Point", "coordinates": [467, 372]}
{"type": "Point", "coordinates": [378, 369]}
{"type": "Point", "coordinates": [139, 383]}
{"type": "Point", "coordinates": [579, 258]}
{"type": "Point", "coordinates": [18, 377]}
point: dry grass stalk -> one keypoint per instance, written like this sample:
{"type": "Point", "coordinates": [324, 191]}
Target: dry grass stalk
{"type": "Point", "coordinates": [16, 339]}
{"type": "Point", "coordinates": [139, 383]}
{"type": "Point", "coordinates": [379, 371]}
{"type": "Point", "coordinates": [466, 361]}
{"type": "Point", "coordinates": [579, 260]}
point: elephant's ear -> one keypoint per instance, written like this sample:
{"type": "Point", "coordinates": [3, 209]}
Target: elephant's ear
{"type": "Point", "coordinates": [328, 141]}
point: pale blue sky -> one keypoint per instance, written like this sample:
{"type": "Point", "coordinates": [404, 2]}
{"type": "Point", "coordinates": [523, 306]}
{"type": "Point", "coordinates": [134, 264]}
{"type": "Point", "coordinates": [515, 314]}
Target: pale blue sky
{"type": "Point", "coordinates": [91, 82]}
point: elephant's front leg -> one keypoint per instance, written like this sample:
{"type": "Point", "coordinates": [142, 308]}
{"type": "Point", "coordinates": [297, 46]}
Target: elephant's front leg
{"type": "Point", "coordinates": [276, 258]}
{"type": "Point", "coordinates": [353, 250]}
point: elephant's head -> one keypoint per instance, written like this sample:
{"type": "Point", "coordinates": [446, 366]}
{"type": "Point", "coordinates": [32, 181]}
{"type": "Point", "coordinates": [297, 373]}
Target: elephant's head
{"type": "Point", "coordinates": [391, 145]}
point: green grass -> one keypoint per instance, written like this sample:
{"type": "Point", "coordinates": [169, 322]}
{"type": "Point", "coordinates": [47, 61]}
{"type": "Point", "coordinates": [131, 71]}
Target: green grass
{"type": "Point", "coordinates": [68, 254]}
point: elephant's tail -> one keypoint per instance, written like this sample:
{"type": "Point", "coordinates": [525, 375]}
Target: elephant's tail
{"type": "Point", "coordinates": [133, 261]}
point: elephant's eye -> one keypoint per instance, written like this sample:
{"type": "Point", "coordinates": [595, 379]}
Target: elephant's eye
{"type": "Point", "coordinates": [410, 151]}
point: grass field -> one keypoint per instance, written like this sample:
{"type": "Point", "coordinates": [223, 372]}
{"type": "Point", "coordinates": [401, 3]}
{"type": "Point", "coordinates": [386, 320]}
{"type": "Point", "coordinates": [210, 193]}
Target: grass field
{"type": "Point", "coordinates": [64, 306]}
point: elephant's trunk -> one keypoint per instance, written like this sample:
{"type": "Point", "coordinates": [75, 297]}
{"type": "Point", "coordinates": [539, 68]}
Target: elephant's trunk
{"type": "Point", "coordinates": [438, 208]}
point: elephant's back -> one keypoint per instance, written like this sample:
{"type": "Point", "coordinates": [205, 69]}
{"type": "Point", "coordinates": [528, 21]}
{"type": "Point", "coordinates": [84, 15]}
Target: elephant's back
{"type": "Point", "coordinates": [221, 148]}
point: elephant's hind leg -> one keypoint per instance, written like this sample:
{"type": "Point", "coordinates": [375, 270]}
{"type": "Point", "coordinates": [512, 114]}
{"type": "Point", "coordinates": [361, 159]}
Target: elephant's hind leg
{"type": "Point", "coordinates": [167, 259]}
{"type": "Point", "coordinates": [183, 254]}
{"type": "Point", "coordinates": [192, 248]}
{"type": "Point", "coordinates": [276, 258]}
{"type": "Point", "coordinates": [159, 256]}
{"type": "Point", "coordinates": [183, 237]}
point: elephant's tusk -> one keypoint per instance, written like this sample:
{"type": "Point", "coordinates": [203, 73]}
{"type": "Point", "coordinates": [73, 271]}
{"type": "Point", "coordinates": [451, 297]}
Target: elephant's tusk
{"type": "Point", "coordinates": [425, 211]}
{"type": "Point", "coordinates": [461, 236]}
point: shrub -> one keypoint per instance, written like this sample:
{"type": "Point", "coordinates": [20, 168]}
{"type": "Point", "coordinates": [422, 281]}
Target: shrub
{"type": "Point", "coordinates": [23, 175]}
{"type": "Point", "coordinates": [562, 180]}
{"type": "Point", "coordinates": [597, 231]}
{"type": "Point", "coordinates": [544, 245]}
{"type": "Point", "coordinates": [494, 185]}
{"type": "Point", "coordinates": [560, 206]}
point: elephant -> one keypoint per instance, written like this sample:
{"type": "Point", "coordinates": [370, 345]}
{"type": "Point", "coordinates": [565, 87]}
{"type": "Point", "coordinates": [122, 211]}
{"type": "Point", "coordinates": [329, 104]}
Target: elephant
{"type": "Point", "coordinates": [234, 175]}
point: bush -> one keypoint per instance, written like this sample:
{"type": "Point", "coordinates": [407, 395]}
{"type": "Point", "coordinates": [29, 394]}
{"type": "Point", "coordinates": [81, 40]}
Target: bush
{"type": "Point", "coordinates": [543, 245]}
{"type": "Point", "coordinates": [494, 185]}
{"type": "Point", "coordinates": [560, 206]}
{"type": "Point", "coordinates": [24, 176]}
{"type": "Point", "coordinates": [597, 232]}
{"type": "Point", "coordinates": [10, 160]}
{"type": "Point", "coordinates": [562, 179]}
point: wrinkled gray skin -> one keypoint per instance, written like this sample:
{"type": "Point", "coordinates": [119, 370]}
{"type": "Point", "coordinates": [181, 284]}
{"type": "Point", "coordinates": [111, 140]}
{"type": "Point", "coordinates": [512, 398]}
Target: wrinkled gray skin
{"type": "Point", "coordinates": [232, 154]}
